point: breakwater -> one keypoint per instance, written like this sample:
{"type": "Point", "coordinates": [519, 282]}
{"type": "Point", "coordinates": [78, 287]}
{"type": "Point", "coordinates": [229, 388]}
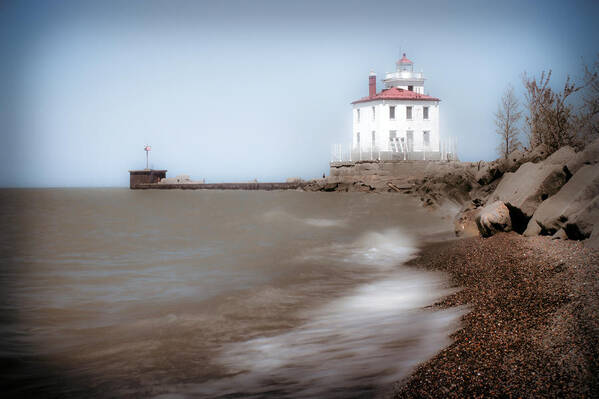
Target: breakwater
{"type": "Point", "coordinates": [154, 179]}
{"type": "Point", "coordinates": [217, 186]}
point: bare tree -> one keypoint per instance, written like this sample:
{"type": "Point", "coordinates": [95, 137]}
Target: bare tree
{"type": "Point", "coordinates": [588, 120]}
{"type": "Point", "coordinates": [506, 120]}
{"type": "Point", "coordinates": [536, 94]}
{"type": "Point", "coordinates": [551, 120]}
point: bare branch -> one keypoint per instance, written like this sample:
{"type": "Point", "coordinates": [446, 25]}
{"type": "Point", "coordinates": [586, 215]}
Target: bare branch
{"type": "Point", "coordinates": [506, 121]}
{"type": "Point", "coordinates": [550, 120]}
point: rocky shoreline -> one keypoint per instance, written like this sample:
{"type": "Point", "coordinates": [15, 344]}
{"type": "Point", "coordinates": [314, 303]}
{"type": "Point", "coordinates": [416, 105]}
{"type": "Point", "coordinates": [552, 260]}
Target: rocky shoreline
{"type": "Point", "coordinates": [533, 325]}
{"type": "Point", "coordinates": [532, 192]}
{"type": "Point", "coordinates": [527, 266]}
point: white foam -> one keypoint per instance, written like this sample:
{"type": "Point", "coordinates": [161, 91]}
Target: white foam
{"type": "Point", "coordinates": [278, 215]}
{"type": "Point", "coordinates": [372, 337]}
{"type": "Point", "coordinates": [383, 249]}
{"type": "Point", "coordinates": [324, 222]}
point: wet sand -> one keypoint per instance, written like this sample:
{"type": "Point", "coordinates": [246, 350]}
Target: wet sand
{"type": "Point", "coordinates": [533, 329]}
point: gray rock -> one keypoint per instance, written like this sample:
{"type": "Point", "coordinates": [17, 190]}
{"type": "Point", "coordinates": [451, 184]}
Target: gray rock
{"type": "Point", "coordinates": [588, 156]}
{"type": "Point", "coordinates": [488, 172]}
{"type": "Point", "coordinates": [358, 186]}
{"type": "Point", "coordinates": [593, 241]}
{"type": "Point", "coordinates": [537, 154]}
{"type": "Point", "coordinates": [464, 223]}
{"type": "Point", "coordinates": [524, 190]}
{"type": "Point", "coordinates": [561, 156]}
{"type": "Point", "coordinates": [513, 161]}
{"type": "Point", "coordinates": [572, 205]}
{"type": "Point", "coordinates": [452, 184]}
{"type": "Point", "coordinates": [315, 185]}
{"type": "Point", "coordinates": [491, 171]}
{"type": "Point", "coordinates": [330, 187]}
{"type": "Point", "coordinates": [581, 224]}
{"type": "Point", "coordinates": [534, 229]}
{"type": "Point", "coordinates": [494, 218]}
{"type": "Point", "coordinates": [560, 235]}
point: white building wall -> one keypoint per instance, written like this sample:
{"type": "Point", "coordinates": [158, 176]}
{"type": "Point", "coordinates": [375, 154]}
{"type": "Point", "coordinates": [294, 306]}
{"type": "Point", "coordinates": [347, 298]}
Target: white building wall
{"type": "Point", "coordinates": [382, 124]}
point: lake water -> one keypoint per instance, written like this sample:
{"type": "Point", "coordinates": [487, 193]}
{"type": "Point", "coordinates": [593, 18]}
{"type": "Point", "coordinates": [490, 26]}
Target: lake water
{"type": "Point", "coordinates": [113, 292]}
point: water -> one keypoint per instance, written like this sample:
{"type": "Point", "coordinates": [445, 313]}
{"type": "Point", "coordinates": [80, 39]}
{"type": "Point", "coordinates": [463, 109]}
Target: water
{"type": "Point", "coordinates": [112, 292]}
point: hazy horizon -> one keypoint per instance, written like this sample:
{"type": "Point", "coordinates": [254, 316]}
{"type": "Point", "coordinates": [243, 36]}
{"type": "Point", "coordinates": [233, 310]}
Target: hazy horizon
{"type": "Point", "coordinates": [238, 90]}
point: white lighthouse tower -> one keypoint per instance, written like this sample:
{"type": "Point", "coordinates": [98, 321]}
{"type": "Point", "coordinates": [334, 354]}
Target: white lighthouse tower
{"type": "Point", "coordinates": [400, 121]}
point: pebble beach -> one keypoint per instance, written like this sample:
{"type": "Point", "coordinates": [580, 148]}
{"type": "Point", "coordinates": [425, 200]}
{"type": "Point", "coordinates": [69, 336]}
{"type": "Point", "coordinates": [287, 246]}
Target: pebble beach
{"type": "Point", "coordinates": [533, 325]}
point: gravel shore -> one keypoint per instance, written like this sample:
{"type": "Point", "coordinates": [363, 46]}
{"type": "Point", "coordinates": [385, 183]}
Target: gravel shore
{"type": "Point", "coordinates": [533, 328]}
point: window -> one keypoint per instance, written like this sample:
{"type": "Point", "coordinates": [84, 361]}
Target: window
{"type": "Point", "coordinates": [410, 140]}
{"type": "Point", "coordinates": [426, 139]}
{"type": "Point", "coordinates": [373, 113]}
{"type": "Point", "coordinates": [373, 138]}
{"type": "Point", "coordinates": [391, 112]}
{"type": "Point", "coordinates": [392, 135]}
{"type": "Point", "coordinates": [358, 138]}
{"type": "Point", "coordinates": [424, 112]}
{"type": "Point", "coordinates": [408, 112]}
{"type": "Point", "coordinates": [358, 114]}
{"type": "Point", "coordinates": [411, 88]}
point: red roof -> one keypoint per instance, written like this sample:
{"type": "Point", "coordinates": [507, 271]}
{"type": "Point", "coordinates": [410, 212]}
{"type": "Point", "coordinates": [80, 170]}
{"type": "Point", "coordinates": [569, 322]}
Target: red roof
{"type": "Point", "coordinates": [404, 60]}
{"type": "Point", "coordinates": [395, 93]}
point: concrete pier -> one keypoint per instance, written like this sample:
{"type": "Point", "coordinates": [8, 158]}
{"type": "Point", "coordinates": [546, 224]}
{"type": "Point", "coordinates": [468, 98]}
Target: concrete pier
{"type": "Point", "coordinates": [149, 179]}
{"type": "Point", "coordinates": [217, 186]}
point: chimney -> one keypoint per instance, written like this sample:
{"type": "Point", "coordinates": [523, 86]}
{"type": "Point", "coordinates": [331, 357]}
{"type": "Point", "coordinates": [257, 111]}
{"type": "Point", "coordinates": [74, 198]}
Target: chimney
{"type": "Point", "coordinates": [372, 84]}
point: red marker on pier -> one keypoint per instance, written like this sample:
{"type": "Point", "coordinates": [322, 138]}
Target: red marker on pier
{"type": "Point", "coordinates": [147, 149]}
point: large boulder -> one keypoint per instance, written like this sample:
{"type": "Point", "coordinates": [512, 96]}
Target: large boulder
{"type": "Point", "coordinates": [573, 208]}
{"type": "Point", "coordinates": [561, 156]}
{"type": "Point", "coordinates": [493, 218]}
{"type": "Point", "coordinates": [524, 190]}
{"type": "Point", "coordinates": [464, 224]}
{"type": "Point", "coordinates": [513, 161]}
{"type": "Point", "coordinates": [330, 187]}
{"type": "Point", "coordinates": [537, 154]}
{"type": "Point", "coordinates": [488, 172]}
{"type": "Point", "coordinates": [588, 156]}
{"type": "Point", "coordinates": [449, 184]}
{"type": "Point", "coordinates": [593, 241]}
{"type": "Point", "coordinates": [360, 186]}
{"type": "Point", "coordinates": [316, 184]}
{"type": "Point", "coordinates": [581, 224]}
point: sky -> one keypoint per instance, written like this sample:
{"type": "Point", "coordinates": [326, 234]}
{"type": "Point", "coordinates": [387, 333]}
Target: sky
{"type": "Point", "coordinates": [243, 90]}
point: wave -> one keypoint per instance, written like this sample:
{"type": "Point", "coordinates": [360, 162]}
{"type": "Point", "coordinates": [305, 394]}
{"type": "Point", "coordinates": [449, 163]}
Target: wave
{"type": "Point", "coordinates": [372, 336]}
{"type": "Point", "coordinates": [274, 216]}
{"type": "Point", "coordinates": [383, 249]}
{"type": "Point", "coordinates": [352, 346]}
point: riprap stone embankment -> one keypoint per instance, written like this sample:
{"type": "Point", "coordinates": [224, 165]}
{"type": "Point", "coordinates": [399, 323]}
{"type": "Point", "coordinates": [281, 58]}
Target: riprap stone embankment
{"type": "Point", "coordinates": [544, 194]}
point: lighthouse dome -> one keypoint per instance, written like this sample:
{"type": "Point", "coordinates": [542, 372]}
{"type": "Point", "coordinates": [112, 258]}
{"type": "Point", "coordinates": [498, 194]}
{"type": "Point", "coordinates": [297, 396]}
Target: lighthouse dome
{"type": "Point", "coordinates": [404, 60]}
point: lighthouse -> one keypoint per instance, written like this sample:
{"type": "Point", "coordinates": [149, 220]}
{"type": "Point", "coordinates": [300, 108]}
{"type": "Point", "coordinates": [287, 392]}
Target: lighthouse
{"type": "Point", "coordinates": [400, 120]}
